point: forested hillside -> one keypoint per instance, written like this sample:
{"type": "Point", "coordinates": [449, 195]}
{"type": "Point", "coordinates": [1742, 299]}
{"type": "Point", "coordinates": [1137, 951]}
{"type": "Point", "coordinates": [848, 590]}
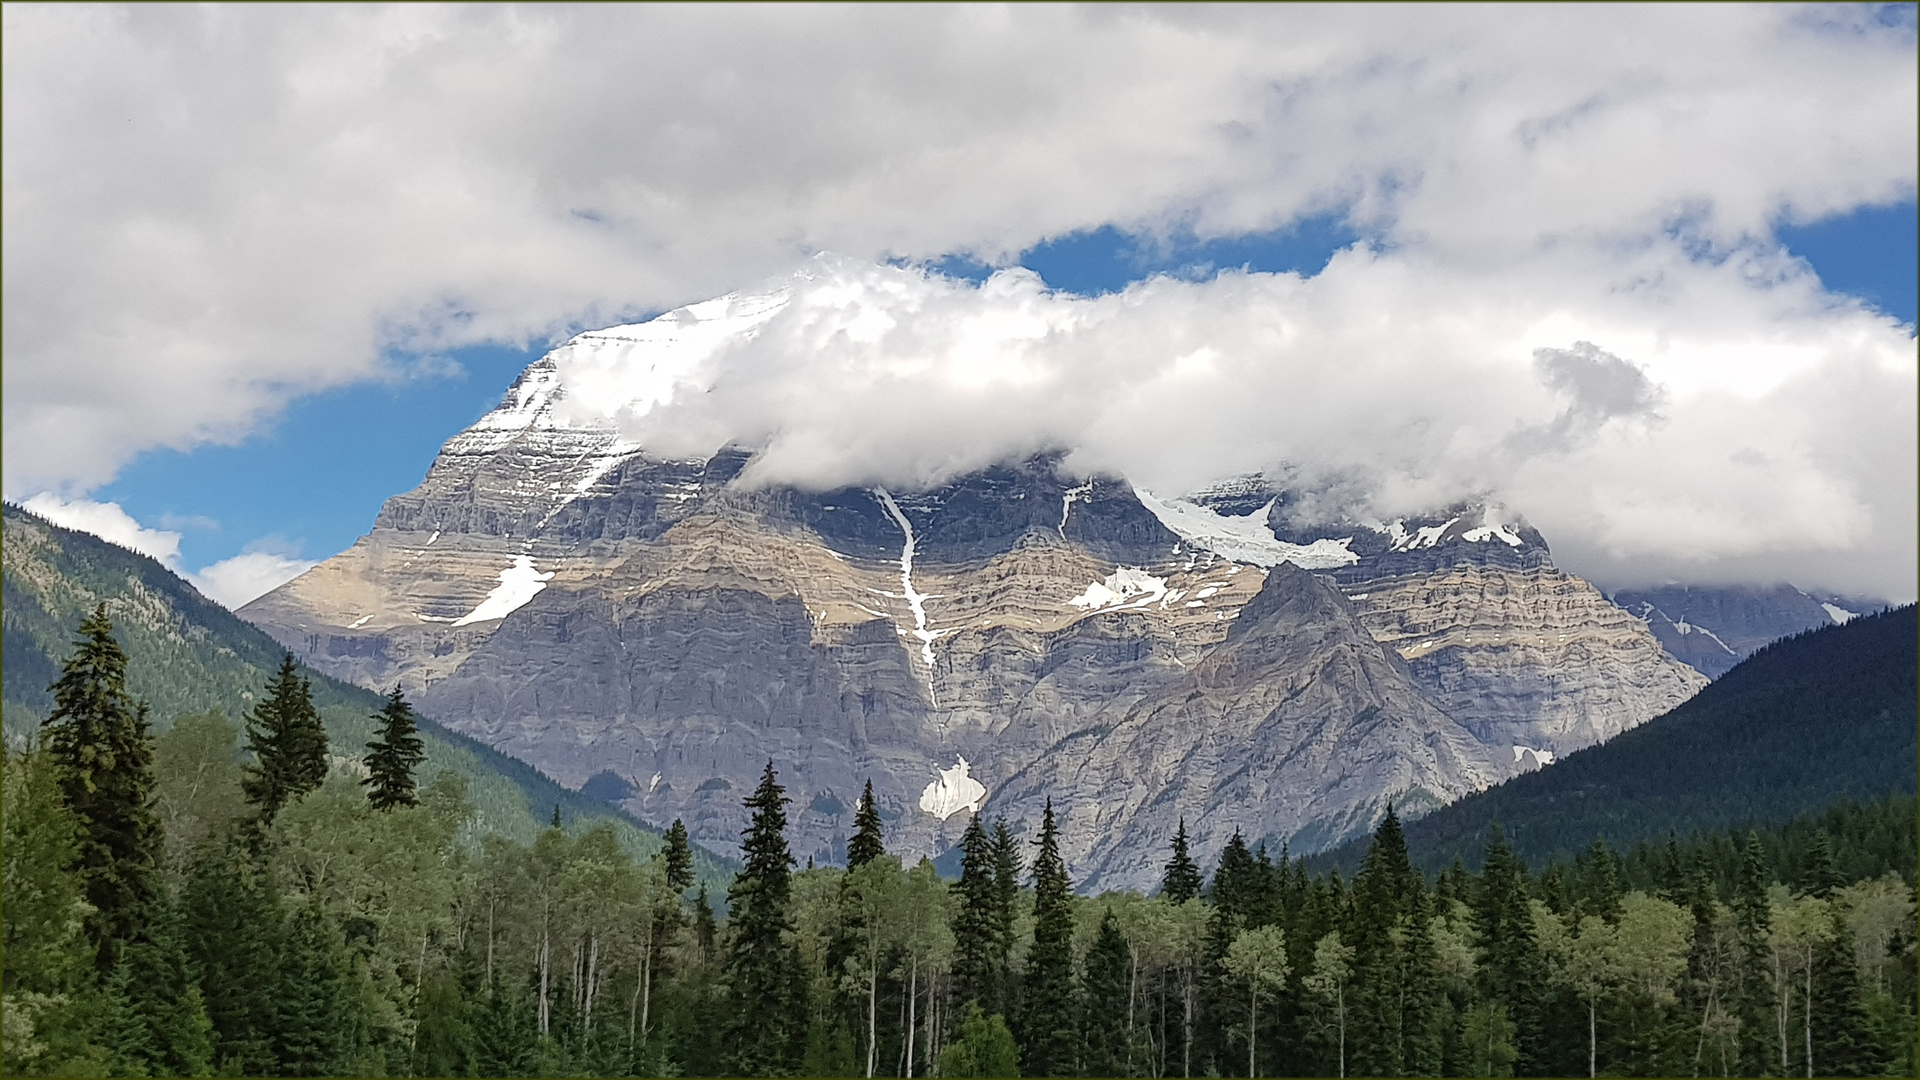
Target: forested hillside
{"type": "Point", "coordinates": [1804, 723]}
{"type": "Point", "coordinates": [189, 656]}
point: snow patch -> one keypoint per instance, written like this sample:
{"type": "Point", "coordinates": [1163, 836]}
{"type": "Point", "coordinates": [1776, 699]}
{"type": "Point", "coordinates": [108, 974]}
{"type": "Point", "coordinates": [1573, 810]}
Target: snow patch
{"type": "Point", "coordinates": [1527, 755]}
{"type": "Point", "coordinates": [954, 791]}
{"type": "Point", "coordinates": [359, 622]}
{"type": "Point", "coordinates": [1129, 586]}
{"type": "Point", "coordinates": [1244, 539]}
{"type": "Point", "coordinates": [1839, 614]}
{"type": "Point", "coordinates": [519, 583]}
{"type": "Point", "coordinates": [916, 600]}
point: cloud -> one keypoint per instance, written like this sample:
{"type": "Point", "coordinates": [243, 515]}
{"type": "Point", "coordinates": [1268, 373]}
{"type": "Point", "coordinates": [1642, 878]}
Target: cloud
{"type": "Point", "coordinates": [1766, 435]}
{"type": "Point", "coordinates": [211, 211]}
{"type": "Point", "coordinates": [108, 522]}
{"type": "Point", "coordinates": [230, 582]}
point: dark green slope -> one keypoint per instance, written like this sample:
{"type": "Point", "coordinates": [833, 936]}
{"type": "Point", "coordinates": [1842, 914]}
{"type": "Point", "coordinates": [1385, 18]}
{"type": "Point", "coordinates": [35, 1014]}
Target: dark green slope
{"type": "Point", "coordinates": [187, 654]}
{"type": "Point", "coordinates": [1824, 716]}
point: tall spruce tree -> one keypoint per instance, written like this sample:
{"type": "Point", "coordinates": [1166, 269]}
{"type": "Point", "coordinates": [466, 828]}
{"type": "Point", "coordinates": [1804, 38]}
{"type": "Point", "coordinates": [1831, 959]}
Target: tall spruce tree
{"type": "Point", "coordinates": [1753, 992]}
{"type": "Point", "coordinates": [678, 858]}
{"type": "Point", "coordinates": [393, 755]}
{"type": "Point", "coordinates": [98, 742]}
{"type": "Point", "coordinates": [766, 983]}
{"type": "Point", "coordinates": [1513, 972]}
{"type": "Point", "coordinates": [866, 844]}
{"type": "Point", "coordinates": [1007, 868]}
{"type": "Point", "coordinates": [1376, 930]}
{"type": "Point", "coordinates": [976, 933]}
{"type": "Point", "coordinates": [1049, 1042]}
{"type": "Point", "coordinates": [1109, 1048]}
{"type": "Point", "coordinates": [1182, 880]}
{"type": "Point", "coordinates": [288, 742]}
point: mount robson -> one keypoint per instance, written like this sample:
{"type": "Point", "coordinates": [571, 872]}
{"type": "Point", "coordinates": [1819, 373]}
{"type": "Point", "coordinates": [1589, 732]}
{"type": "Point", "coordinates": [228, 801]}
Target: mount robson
{"type": "Point", "coordinates": [654, 629]}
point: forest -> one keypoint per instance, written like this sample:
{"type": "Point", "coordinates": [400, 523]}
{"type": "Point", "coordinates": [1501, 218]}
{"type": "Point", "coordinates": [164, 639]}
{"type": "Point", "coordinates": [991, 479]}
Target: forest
{"type": "Point", "coordinates": [244, 899]}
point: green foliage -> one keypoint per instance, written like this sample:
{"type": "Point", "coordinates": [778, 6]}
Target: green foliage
{"type": "Point", "coordinates": [48, 958]}
{"type": "Point", "coordinates": [977, 977]}
{"type": "Point", "coordinates": [984, 1048]}
{"type": "Point", "coordinates": [1105, 1030]}
{"type": "Point", "coordinates": [866, 844]}
{"type": "Point", "coordinates": [393, 755]}
{"type": "Point", "coordinates": [677, 857]}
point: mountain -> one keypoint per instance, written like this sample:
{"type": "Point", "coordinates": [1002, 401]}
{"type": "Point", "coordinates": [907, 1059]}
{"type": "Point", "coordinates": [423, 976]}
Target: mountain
{"type": "Point", "coordinates": [187, 654]}
{"type": "Point", "coordinates": [1712, 629]}
{"type": "Point", "coordinates": [661, 627]}
{"type": "Point", "coordinates": [1823, 716]}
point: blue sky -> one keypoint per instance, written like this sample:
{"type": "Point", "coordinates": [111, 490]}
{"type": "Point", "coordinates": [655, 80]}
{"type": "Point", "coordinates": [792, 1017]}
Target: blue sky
{"type": "Point", "coordinates": [313, 482]}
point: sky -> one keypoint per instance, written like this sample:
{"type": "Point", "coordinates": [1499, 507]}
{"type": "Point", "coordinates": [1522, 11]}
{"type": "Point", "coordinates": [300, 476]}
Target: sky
{"type": "Point", "coordinates": [1644, 274]}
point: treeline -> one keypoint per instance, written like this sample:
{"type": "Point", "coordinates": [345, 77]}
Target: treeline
{"type": "Point", "coordinates": [289, 914]}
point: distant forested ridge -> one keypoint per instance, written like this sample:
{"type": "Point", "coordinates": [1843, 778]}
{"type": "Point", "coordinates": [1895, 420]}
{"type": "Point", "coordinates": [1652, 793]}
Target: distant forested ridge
{"type": "Point", "coordinates": [1808, 721]}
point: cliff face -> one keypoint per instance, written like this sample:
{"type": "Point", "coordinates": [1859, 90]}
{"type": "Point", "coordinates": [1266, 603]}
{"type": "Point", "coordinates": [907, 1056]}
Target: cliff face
{"type": "Point", "coordinates": [595, 609]}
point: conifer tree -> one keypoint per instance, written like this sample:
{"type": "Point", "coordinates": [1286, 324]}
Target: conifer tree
{"type": "Point", "coordinates": [166, 1030]}
{"type": "Point", "coordinates": [289, 744]}
{"type": "Point", "coordinates": [1048, 1029]}
{"type": "Point", "coordinates": [1105, 1030]}
{"type": "Point", "coordinates": [1512, 969]}
{"type": "Point", "coordinates": [317, 1019]}
{"type": "Point", "coordinates": [1753, 993]}
{"type": "Point", "coordinates": [393, 755]}
{"type": "Point", "coordinates": [1182, 881]}
{"type": "Point", "coordinates": [47, 955]}
{"type": "Point", "coordinates": [678, 858]}
{"type": "Point", "coordinates": [232, 929]}
{"type": "Point", "coordinates": [766, 985]}
{"type": "Point", "coordinates": [865, 845]}
{"type": "Point", "coordinates": [98, 744]}
{"type": "Point", "coordinates": [1820, 878]}
{"type": "Point", "coordinates": [1007, 868]}
{"type": "Point", "coordinates": [1376, 932]}
{"type": "Point", "coordinates": [976, 931]}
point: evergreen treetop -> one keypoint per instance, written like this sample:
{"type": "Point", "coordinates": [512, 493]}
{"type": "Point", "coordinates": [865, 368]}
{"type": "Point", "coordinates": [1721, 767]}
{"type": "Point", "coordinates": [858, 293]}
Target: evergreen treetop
{"type": "Point", "coordinates": [1049, 1028]}
{"type": "Point", "coordinates": [765, 980]}
{"type": "Point", "coordinates": [678, 858]}
{"type": "Point", "coordinates": [288, 742]}
{"type": "Point", "coordinates": [393, 755]}
{"type": "Point", "coordinates": [866, 844]}
{"type": "Point", "coordinates": [1182, 881]}
{"type": "Point", "coordinates": [976, 935]}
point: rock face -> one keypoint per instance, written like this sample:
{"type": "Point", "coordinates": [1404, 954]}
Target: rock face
{"type": "Point", "coordinates": [1713, 629]}
{"type": "Point", "coordinates": [663, 630]}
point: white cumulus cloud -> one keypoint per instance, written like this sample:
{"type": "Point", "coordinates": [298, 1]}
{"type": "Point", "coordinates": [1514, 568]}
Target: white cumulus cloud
{"type": "Point", "coordinates": [229, 582]}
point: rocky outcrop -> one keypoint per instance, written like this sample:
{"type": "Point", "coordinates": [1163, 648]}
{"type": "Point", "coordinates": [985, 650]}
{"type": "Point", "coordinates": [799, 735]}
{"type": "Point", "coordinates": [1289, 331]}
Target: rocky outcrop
{"type": "Point", "coordinates": [1712, 629]}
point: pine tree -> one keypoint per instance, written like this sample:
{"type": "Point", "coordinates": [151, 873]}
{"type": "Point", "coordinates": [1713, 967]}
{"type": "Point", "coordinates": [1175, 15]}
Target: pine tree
{"type": "Point", "coordinates": [679, 858]}
{"type": "Point", "coordinates": [1375, 931]}
{"type": "Point", "coordinates": [232, 930]}
{"type": "Point", "coordinates": [1048, 1034]}
{"type": "Point", "coordinates": [98, 743]}
{"type": "Point", "coordinates": [766, 984]}
{"type": "Point", "coordinates": [166, 1017]}
{"type": "Point", "coordinates": [1007, 868]}
{"type": "Point", "coordinates": [1753, 998]}
{"type": "Point", "coordinates": [1104, 1028]}
{"type": "Point", "coordinates": [1820, 878]}
{"type": "Point", "coordinates": [976, 974]}
{"type": "Point", "coordinates": [1512, 969]}
{"type": "Point", "coordinates": [1182, 881]}
{"type": "Point", "coordinates": [289, 744]}
{"type": "Point", "coordinates": [318, 1021]}
{"type": "Point", "coordinates": [393, 755]}
{"type": "Point", "coordinates": [865, 845]}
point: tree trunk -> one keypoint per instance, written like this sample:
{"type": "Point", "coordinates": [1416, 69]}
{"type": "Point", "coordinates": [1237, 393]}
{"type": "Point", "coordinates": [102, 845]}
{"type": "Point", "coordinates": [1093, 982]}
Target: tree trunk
{"type": "Point", "coordinates": [1593, 1040]}
{"type": "Point", "coordinates": [873, 1021]}
{"type": "Point", "coordinates": [913, 1000]}
{"type": "Point", "coordinates": [1253, 1027]}
{"type": "Point", "coordinates": [1806, 1011]}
